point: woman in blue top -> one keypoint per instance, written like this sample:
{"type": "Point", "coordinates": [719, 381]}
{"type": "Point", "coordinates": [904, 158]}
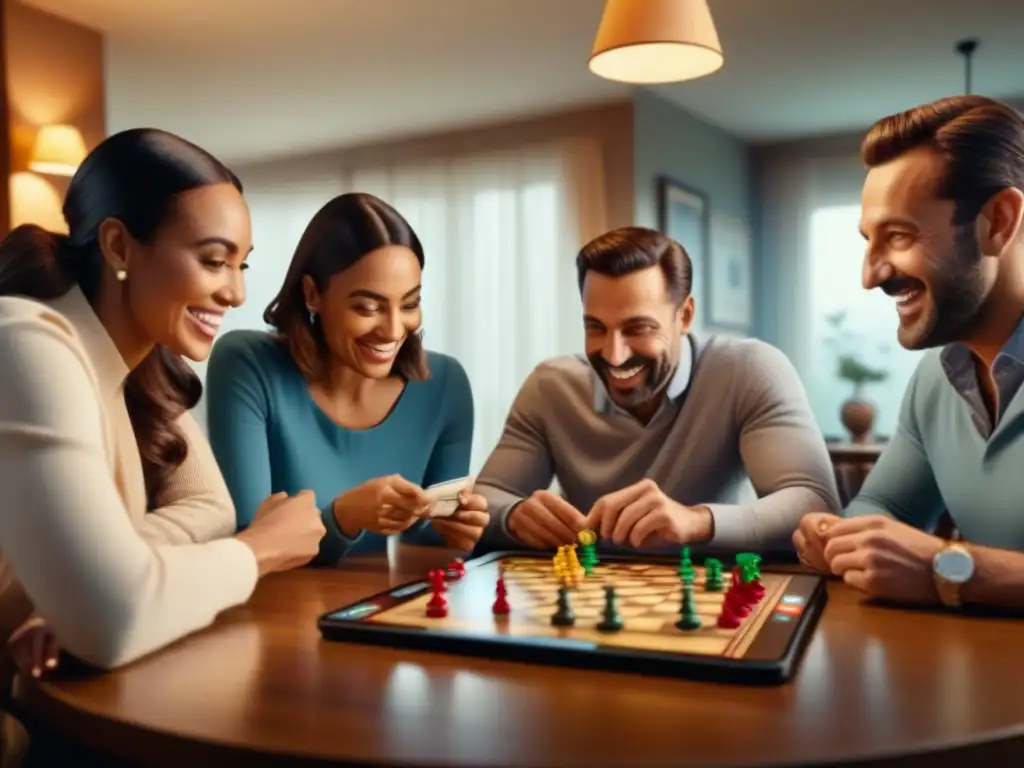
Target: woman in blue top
{"type": "Point", "coordinates": [342, 398]}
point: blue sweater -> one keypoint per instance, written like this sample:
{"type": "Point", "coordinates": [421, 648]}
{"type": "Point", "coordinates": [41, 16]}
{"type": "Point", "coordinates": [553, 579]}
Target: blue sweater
{"type": "Point", "coordinates": [269, 435]}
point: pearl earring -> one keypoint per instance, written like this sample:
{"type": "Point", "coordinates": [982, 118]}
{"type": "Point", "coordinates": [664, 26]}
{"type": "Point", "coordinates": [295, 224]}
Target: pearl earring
{"type": "Point", "coordinates": [121, 275]}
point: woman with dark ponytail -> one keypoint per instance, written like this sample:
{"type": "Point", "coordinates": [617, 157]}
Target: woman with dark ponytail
{"type": "Point", "coordinates": [115, 524]}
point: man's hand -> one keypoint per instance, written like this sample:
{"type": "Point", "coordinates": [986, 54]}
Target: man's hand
{"type": "Point", "coordinates": [545, 520]}
{"type": "Point", "coordinates": [463, 529]}
{"type": "Point", "coordinates": [809, 539]}
{"type": "Point", "coordinates": [884, 558]}
{"type": "Point", "coordinates": [642, 511]}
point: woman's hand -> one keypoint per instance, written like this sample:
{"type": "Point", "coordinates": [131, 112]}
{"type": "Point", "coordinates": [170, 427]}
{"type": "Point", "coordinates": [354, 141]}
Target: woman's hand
{"type": "Point", "coordinates": [33, 648]}
{"type": "Point", "coordinates": [285, 532]}
{"type": "Point", "coordinates": [385, 505]}
{"type": "Point", "coordinates": [463, 529]}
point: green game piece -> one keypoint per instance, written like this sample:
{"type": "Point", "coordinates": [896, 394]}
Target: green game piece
{"type": "Point", "coordinates": [685, 564]}
{"type": "Point", "coordinates": [755, 567]}
{"type": "Point", "coordinates": [686, 569]}
{"type": "Point", "coordinates": [564, 616]}
{"type": "Point", "coordinates": [588, 558]}
{"type": "Point", "coordinates": [688, 619]}
{"type": "Point", "coordinates": [713, 575]}
{"type": "Point", "coordinates": [749, 565]}
{"type": "Point", "coordinates": [611, 621]}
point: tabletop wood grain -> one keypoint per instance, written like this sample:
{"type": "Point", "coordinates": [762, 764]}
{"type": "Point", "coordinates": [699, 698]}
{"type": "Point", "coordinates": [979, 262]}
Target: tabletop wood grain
{"type": "Point", "coordinates": [262, 688]}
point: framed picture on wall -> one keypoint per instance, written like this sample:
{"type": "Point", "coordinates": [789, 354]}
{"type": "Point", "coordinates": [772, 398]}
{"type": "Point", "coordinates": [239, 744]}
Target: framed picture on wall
{"type": "Point", "coordinates": [684, 215]}
{"type": "Point", "coordinates": [731, 294]}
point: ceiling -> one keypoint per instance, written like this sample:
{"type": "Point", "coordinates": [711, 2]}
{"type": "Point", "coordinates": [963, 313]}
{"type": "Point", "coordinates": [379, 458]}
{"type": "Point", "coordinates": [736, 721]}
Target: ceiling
{"type": "Point", "coordinates": [249, 78]}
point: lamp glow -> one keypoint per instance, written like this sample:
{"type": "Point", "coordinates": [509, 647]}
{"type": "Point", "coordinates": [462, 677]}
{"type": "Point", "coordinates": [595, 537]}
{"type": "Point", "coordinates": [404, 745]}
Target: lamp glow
{"type": "Point", "coordinates": [58, 150]}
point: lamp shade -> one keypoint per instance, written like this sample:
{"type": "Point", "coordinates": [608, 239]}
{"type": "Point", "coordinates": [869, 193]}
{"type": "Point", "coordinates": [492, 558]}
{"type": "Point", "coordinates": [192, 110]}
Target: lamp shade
{"type": "Point", "coordinates": [34, 200]}
{"type": "Point", "coordinates": [656, 41]}
{"type": "Point", "coordinates": [58, 150]}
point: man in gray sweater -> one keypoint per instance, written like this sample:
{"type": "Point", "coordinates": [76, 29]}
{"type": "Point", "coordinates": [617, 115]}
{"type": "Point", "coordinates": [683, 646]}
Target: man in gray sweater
{"type": "Point", "coordinates": [657, 438]}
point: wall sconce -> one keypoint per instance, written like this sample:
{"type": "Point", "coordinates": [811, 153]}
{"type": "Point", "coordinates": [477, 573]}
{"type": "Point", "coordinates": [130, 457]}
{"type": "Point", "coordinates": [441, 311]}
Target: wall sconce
{"type": "Point", "coordinates": [58, 150]}
{"type": "Point", "coordinates": [644, 42]}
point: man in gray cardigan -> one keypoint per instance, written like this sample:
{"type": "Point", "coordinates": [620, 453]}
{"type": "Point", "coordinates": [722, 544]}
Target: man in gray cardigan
{"type": "Point", "coordinates": [657, 438]}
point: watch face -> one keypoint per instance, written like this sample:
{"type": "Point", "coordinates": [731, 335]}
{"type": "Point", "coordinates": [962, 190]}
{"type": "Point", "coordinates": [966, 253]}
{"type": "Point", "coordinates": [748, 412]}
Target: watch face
{"type": "Point", "coordinates": [954, 566]}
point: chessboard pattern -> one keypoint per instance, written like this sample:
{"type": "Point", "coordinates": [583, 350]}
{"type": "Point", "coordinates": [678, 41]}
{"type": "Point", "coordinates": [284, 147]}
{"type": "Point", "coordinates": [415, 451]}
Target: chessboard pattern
{"type": "Point", "coordinates": [649, 601]}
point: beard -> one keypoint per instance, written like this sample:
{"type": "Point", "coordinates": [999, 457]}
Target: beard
{"type": "Point", "coordinates": [956, 295]}
{"type": "Point", "coordinates": [654, 377]}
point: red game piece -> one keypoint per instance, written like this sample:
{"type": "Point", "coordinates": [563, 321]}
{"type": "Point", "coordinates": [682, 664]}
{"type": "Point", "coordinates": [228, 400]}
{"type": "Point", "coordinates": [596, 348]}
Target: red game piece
{"type": "Point", "coordinates": [437, 606]}
{"type": "Point", "coordinates": [736, 602]}
{"type": "Point", "coordinates": [501, 606]}
{"type": "Point", "coordinates": [737, 578]}
{"type": "Point", "coordinates": [437, 577]}
{"type": "Point", "coordinates": [749, 593]}
{"type": "Point", "coordinates": [727, 619]}
{"type": "Point", "coordinates": [757, 590]}
{"type": "Point", "coordinates": [456, 569]}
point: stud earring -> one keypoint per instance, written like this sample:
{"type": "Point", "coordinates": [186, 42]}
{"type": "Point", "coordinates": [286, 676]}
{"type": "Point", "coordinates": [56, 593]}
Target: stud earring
{"type": "Point", "coordinates": [312, 315]}
{"type": "Point", "coordinates": [121, 275]}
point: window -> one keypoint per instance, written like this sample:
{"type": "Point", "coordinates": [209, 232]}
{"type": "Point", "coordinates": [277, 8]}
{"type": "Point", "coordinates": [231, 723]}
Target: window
{"type": "Point", "coordinates": [500, 233]}
{"type": "Point", "coordinates": [867, 330]}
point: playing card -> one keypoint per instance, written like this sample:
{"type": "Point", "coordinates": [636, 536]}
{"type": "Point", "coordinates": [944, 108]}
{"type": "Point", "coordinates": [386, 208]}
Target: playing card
{"type": "Point", "coordinates": [446, 496]}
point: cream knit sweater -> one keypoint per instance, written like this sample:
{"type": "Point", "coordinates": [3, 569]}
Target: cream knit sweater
{"type": "Point", "coordinates": [114, 581]}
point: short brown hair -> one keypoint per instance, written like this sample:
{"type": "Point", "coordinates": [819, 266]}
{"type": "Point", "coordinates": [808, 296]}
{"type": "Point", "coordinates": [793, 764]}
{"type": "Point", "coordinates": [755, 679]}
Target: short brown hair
{"type": "Point", "coordinates": [981, 141]}
{"type": "Point", "coordinates": [341, 233]}
{"type": "Point", "coordinates": [631, 249]}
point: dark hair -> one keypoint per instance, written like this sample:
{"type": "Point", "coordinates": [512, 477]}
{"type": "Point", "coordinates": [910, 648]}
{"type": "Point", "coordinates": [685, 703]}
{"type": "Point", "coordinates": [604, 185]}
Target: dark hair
{"type": "Point", "coordinates": [630, 249]}
{"type": "Point", "coordinates": [981, 141]}
{"type": "Point", "coordinates": [135, 177]}
{"type": "Point", "coordinates": [341, 233]}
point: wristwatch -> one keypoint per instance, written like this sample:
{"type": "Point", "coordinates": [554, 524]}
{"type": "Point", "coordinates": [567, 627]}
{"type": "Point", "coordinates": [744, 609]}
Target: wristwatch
{"type": "Point", "coordinates": [952, 567]}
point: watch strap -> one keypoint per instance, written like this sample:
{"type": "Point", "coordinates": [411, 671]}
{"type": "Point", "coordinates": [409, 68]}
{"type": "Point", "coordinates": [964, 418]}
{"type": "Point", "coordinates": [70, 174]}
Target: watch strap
{"type": "Point", "coordinates": [949, 593]}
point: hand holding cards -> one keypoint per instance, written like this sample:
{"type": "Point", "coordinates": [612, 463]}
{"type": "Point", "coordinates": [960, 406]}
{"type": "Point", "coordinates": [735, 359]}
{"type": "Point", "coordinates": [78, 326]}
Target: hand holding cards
{"type": "Point", "coordinates": [385, 505]}
{"type": "Point", "coordinates": [445, 496]}
{"type": "Point", "coordinates": [457, 513]}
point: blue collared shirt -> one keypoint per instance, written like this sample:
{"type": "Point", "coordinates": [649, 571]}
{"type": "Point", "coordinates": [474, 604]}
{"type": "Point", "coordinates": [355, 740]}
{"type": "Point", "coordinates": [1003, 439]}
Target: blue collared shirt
{"type": "Point", "coordinates": [1007, 370]}
{"type": "Point", "coordinates": [673, 393]}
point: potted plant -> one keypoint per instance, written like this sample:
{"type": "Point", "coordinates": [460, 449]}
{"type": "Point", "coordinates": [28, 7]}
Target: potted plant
{"type": "Point", "coordinates": [857, 413]}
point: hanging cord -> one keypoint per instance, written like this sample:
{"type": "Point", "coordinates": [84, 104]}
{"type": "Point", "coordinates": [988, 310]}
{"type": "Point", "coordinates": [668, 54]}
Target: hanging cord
{"type": "Point", "coordinates": [966, 48]}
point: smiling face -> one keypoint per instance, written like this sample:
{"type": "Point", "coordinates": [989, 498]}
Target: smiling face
{"type": "Point", "coordinates": [633, 331]}
{"type": "Point", "coordinates": [933, 269]}
{"type": "Point", "coordinates": [367, 311]}
{"type": "Point", "coordinates": [179, 285]}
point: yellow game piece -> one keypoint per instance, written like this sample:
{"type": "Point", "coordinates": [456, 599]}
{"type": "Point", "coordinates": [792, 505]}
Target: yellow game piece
{"type": "Point", "coordinates": [573, 563]}
{"type": "Point", "coordinates": [558, 565]}
{"type": "Point", "coordinates": [558, 562]}
{"type": "Point", "coordinates": [587, 537]}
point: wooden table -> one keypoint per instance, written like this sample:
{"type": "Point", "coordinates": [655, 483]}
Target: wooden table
{"type": "Point", "coordinates": [261, 688]}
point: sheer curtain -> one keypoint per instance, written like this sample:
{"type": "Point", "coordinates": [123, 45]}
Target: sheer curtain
{"type": "Point", "coordinates": [813, 252]}
{"type": "Point", "coordinates": [500, 231]}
